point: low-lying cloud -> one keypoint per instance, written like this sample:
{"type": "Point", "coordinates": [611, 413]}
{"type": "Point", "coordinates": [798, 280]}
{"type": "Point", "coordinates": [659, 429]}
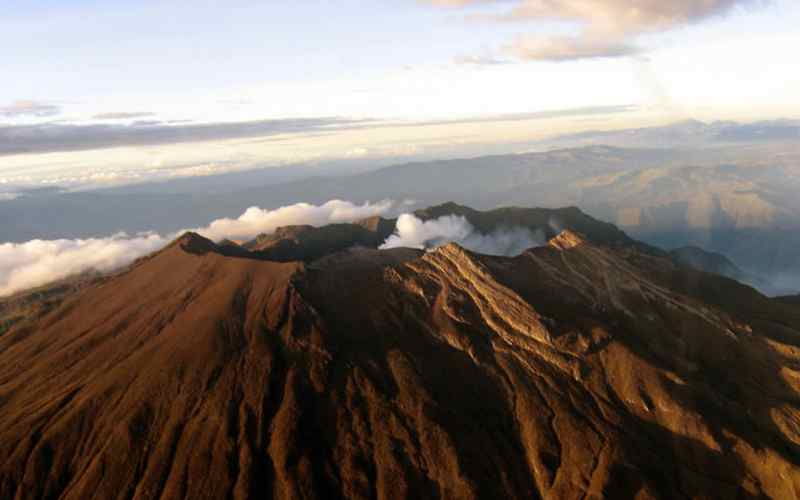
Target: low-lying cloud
{"type": "Point", "coordinates": [38, 262]}
{"type": "Point", "coordinates": [256, 220]}
{"type": "Point", "coordinates": [413, 232]}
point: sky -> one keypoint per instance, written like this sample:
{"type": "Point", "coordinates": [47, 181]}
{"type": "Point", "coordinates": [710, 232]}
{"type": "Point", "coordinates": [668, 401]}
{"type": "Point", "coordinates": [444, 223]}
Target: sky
{"type": "Point", "coordinates": [100, 93]}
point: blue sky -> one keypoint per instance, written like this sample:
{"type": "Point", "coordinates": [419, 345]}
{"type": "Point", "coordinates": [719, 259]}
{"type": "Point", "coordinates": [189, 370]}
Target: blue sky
{"type": "Point", "coordinates": [80, 63]}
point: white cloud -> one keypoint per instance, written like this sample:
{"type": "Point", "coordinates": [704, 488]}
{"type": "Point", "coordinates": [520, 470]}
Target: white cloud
{"type": "Point", "coordinates": [256, 220]}
{"type": "Point", "coordinates": [412, 232]}
{"type": "Point", "coordinates": [38, 262]}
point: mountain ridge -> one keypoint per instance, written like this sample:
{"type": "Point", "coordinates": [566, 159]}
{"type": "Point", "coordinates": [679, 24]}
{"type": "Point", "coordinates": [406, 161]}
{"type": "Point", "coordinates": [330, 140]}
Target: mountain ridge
{"type": "Point", "coordinates": [574, 369]}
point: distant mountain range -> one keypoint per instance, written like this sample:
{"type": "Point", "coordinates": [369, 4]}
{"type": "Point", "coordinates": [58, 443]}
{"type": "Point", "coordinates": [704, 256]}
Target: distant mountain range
{"type": "Point", "coordinates": [691, 133]}
{"type": "Point", "coordinates": [725, 187]}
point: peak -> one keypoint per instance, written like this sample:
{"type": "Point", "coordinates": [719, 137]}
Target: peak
{"type": "Point", "coordinates": [451, 247]}
{"type": "Point", "coordinates": [192, 242]}
{"type": "Point", "coordinates": [567, 239]}
{"type": "Point", "coordinates": [190, 236]}
{"type": "Point", "coordinates": [450, 204]}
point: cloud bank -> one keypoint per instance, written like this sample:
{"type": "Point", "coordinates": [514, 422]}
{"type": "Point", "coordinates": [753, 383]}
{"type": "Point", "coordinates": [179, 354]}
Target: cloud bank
{"type": "Point", "coordinates": [607, 28]}
{"type": "Point", "coordinates": [413, 232]}
{"type": "Point", "coordinates": [38, 262]}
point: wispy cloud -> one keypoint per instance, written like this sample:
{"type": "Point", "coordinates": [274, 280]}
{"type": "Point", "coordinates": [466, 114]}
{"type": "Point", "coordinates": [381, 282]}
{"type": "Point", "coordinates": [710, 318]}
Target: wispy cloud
{"type": "Point", "coordinates": [29, 108]}
{"type": "Point", "coordinates": [56, 137]}
{"type": "Point", "coordinates": [61, 137]}
{"type": "Point", "coordinates": [533, 115]}
{"type": "Point", "coordinates": [122, 115]}
{"type": "Point", "coordinates": [608, 28]}
{"type": "Point", "coordinates": [559, 49]}
{"type": "Point", "coordinates": [480, 60]}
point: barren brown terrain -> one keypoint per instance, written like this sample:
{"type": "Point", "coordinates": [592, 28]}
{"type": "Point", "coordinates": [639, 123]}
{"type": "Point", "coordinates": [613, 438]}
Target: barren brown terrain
{"type": "Point", "coordinates": [586, 368]}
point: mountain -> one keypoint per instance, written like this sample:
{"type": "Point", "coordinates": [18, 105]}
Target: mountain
{"type": "Point", "coordinates": [310, 243]}
{"type": "Point", "coordinates": [790, 299]}
{"type": "Point", "coordinates": [697, 258]}
{"type": "Point", "coordinates": [549, 221]}
{"type": "Point", "coordinates": [685, 133]}
{"type": "Point", "coordinates": [576, 369]}
{"type": "Point", "coordinates": [711, 262]}
{"type": "Point", "coordinates": [716, 263]}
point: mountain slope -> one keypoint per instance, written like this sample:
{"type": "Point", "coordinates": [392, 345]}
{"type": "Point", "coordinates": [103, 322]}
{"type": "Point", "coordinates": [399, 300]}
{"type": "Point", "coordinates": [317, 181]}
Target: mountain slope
{"type": "Point", "coordinates": [699, 259]}
{"type": "Point", "coordinates": [716, 263]}
{"type": "Point", "coordinates": [573, 370]}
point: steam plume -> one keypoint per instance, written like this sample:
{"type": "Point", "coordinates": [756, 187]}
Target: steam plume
{"type": "Point", "coordinates": [413, 232]}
